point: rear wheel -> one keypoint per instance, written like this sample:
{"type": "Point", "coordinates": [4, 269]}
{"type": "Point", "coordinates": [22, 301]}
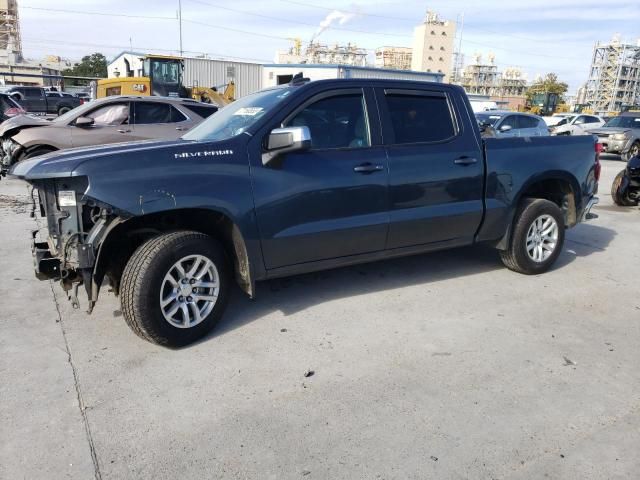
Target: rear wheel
{"type": "Point", "coordinates": [619, 191]}
{"type": "Point", "coordinates": [175, 288]}
{"type": "Point", "coordinates": [63, 110]}
{"type": "Point", "coordinates": [537, 238]}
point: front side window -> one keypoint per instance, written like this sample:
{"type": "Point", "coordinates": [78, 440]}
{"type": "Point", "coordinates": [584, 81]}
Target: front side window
{"type": "Point", "coordinates": [109, 115]}
{"type": "Point", "coordinates": [511, 121]}
{"type": "Point", "coordinates": [335, 122]}
{"type": "Point", "coordinates": [420, 118]}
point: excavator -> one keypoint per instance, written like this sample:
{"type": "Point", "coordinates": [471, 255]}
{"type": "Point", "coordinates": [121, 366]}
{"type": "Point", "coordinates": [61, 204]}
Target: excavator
{"type": "Point", "coordinates": [162, 76]}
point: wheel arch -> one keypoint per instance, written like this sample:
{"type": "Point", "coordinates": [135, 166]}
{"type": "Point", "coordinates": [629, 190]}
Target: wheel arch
{"type": "Point", "coordinates": [123, 236]}
{"type": "Point", "coordinates": [558, 187]}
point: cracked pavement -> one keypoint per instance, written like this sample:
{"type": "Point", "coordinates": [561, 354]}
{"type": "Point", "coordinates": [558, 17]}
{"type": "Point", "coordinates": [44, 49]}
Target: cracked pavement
{"type": "Point", "coordinates": [437, 366]}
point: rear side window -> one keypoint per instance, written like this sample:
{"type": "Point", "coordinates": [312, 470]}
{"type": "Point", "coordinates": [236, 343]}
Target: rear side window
{"type": "Point", "coordinates": [335, 122]}
{"type": "Point", "coordinates": [527, 122]}
{"type": "Point", "coordinates": [203, 111]}
{"type": "Point", "coordinates": [154, 112]}
{"type": "Point", "coordinates": [32, 93]}
{"type": "Point", "coordinates": [420, 118]}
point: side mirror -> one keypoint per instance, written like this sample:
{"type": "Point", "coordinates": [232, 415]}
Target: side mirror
{"type": "Point", "coordinates": [286, 140]}
{"type": "Point", "coordinates": [505, 128]}
{"type": "Point", "coordinates": [84, 122]}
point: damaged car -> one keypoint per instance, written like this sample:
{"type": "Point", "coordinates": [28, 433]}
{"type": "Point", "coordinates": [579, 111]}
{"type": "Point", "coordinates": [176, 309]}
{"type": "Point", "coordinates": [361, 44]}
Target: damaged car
{"type": "Point", "coordinates": [109, 120]}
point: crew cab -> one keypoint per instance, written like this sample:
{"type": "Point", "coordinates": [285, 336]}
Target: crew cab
{"type": "Point", "coordinates": [298, 178]}
{"type": "Point", "coordinates": [41, 101]}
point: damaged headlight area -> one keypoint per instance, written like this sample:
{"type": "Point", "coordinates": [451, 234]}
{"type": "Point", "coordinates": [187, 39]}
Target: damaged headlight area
{"type": "Point", "coordinates": [76, 225]}
{"type": "Point", "coordinates": [8, 149]}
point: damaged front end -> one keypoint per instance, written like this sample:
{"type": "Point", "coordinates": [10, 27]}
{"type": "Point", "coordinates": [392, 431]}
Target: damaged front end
{"type": "Point", "coordinates": [9, 151]}
{"type": "Point", "coordinates": [76, 227]}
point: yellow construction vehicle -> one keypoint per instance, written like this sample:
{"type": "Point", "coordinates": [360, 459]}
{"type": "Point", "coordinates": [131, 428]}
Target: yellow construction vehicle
{"type": "Point", "coordinates": [162, 76]}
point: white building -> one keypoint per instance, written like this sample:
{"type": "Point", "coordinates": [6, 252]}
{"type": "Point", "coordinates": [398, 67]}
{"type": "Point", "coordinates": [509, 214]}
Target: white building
{"type": "Point", "coordinates": [433, 46]}
{"type": "Point", "coordinates": [280, 74]}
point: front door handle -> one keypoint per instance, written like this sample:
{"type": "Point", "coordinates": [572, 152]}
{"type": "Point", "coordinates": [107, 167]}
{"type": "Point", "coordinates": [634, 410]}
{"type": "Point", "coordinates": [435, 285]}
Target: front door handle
{"type": "Point", "coordinates": [465, 161]}
{"type": "Point", "coordinates": [122, 130]}
{"type": "Point", "coordinates": [182, 129]}
{"type": "Point", "coordinates": [368, 168]}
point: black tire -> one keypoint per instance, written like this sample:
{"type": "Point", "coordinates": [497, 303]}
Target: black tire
{"type": "Point", "coordinates": [36, 152]}
{"type": "Point", "coordinates": [142, 281]}
{"type": "Point", "coordinates": [516, 257]}
{"type": "Point", "coordinates": [634, 150]}
{"type": "Point", "coordinates": [618, 194]}
{"type": "Point", "coordinates": [63, 110]}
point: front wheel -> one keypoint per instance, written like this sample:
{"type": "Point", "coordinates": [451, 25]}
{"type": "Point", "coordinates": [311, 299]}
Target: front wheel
{"type": "Point", "coordinates": [537, 238]}
{"type": "Point", "coordinates": [175, 288]}
{"type": "Point", "coordinates": [619, 191]}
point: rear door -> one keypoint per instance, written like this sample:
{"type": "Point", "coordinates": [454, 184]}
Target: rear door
{"type": "Point", "coordinates": [159, 120]}
{"type": "Point", "coordinates": [435, 168]}
{"type": "Point", "coordinates": [34, 100]}
{"type": "Point", "coordinates": [330, 201]}
{"type": "Point", "coordinates": [528, 126]}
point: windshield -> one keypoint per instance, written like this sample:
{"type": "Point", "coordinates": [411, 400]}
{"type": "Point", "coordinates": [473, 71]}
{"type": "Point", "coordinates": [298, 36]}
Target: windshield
{"type": "Point", "coordinates": [624, 122]}
{"type": "Point", "coordinates": [238, 116]}
{"type": "Point", "coordinates": [487, 118]}
{"type": "Point", "coordinates": [564, 121]}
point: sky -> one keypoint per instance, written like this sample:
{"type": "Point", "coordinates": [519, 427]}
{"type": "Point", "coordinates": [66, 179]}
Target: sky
{"type": "Point", "coordinates": [537, 36]}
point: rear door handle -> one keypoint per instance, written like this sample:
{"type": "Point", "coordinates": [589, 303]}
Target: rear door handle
{"type": "Point", "coordinates": [368, 168]}
{"type": "Point", "coordinates": [182, 129]}
{"type": "Point", "coordinates": [122, 130]}
{"type": "Point", "coordinates": [465, 161]}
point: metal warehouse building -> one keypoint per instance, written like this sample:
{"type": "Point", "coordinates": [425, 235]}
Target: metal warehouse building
{"type": "Point", "coordinates": [277, 74]}
{"type": "Point", "coordinates": [206, 72]}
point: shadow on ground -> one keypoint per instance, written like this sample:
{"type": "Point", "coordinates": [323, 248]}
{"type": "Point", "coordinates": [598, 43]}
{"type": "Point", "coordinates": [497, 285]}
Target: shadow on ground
{"type": "Point", "coordinates": [293, 294]}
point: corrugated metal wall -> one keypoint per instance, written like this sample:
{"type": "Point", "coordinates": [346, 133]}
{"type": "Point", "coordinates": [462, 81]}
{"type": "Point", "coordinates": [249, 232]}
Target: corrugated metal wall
{"type": "Point", "coordinates": [210, 73]}
{"type": "Point", "coordinates": [347, 72]}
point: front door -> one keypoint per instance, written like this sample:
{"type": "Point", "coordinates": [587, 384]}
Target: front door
{"type": "Point", "coordinates": [110, 125]}
{"type": "Point", "coordinates": [436, 168]}
{"type": "Point", "coordinates": [329, 201]}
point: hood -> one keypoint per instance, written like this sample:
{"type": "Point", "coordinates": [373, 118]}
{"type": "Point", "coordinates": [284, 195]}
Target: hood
{"type": "Point", "coordinates": [608, 130]}
{"type": "Point", "coordinates": [65, 162]}
{"type": "Point", "coordinates": [22, 121]}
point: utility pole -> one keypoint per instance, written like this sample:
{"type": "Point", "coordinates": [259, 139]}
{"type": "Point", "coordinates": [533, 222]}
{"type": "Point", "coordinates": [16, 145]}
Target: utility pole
{"type": "Point", "coordinates": [180, 23]}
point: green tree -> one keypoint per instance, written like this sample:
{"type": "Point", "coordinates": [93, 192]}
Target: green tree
{"type": "Point", "coordinates": [94, 65]}
{"type": "Point", "coordinates": [547, 84]}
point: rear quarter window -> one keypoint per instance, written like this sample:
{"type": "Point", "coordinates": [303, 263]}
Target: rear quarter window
{"type": "Point", "coordinates": [417, 118]}
{"type": "Point", "coordinates": [203, 111]}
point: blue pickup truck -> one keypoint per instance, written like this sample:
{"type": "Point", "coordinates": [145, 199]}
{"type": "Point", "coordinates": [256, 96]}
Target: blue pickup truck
{"type": "Point", "coordinates": [302, 177]}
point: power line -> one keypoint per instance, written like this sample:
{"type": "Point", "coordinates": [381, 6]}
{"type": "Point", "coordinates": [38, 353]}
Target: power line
{"type": "Point", "coordinates": [102, 14]}
{"type": "Point", "coordinates": [296, 22]}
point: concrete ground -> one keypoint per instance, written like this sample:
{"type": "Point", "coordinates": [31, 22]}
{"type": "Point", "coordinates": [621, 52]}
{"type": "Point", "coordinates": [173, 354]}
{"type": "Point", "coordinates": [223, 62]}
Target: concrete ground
{"type": "Point", "coordinates": [438, 366]}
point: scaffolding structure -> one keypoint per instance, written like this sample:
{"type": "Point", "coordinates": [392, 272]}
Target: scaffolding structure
{"type": "Point", "coordinates": [10, 42]}
{"type": "Point", "coordinates": [614, 78]}
{"type": "Point", "coordinates": [348, 54]}
{"type": "Point", "coordinates": [398, 58]}
{"type": "Point", "coordinates": [481, 78]}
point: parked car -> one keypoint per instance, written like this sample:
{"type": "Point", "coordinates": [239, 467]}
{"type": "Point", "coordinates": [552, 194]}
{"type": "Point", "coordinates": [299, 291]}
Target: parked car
{"type": "Point", "coordinates": [297, 178]}
{"type": "Point", "coordinates": [511, 124]}
{"type": "Point", "coordinates": [9, 108]}
{"type": "Point", "coordinates": [625, 189]}
{"type": "Point", "coordinates": [108, 120]}
{"type": "Point", "coordinates": [556, 118]}
{"type": "Point", "coordinates": [39, 100]}
{"type": "Point", "coordinates": [621, 135]}
{"type": "Point", "coordinates": [576, 125]}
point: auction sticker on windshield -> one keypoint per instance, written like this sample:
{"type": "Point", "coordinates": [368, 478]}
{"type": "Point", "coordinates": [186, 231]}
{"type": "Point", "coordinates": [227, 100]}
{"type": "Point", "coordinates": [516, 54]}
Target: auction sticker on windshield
{"type": "Point", "coordinates": [250, 111]}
